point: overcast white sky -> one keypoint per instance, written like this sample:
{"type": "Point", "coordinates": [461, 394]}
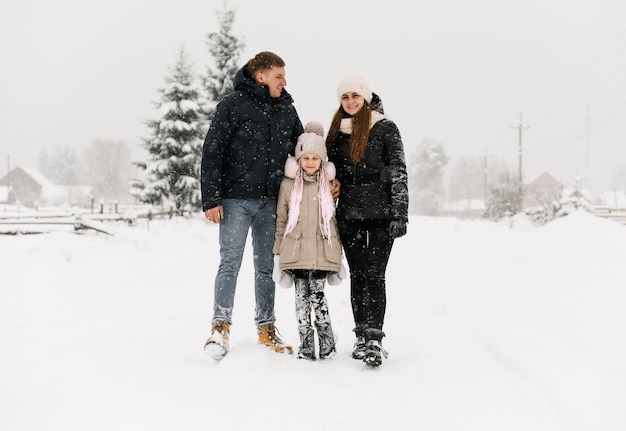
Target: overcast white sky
{"type": "Point", "coordinates": [456, 71]}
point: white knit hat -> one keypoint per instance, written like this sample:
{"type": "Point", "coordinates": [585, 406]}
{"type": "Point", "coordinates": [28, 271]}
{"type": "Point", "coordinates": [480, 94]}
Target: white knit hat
{"type": "Point", "coordinates": [312, 141]}
{"type": "Point", "coordinates": [354, 83]}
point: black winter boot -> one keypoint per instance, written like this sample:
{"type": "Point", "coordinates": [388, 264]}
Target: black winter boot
{"type": "Point", "coordinates": [358, 349]}
{"type": "Point", "coordinates": [374, 351]}
{"type": "Point", "coordinates": [307, 344]}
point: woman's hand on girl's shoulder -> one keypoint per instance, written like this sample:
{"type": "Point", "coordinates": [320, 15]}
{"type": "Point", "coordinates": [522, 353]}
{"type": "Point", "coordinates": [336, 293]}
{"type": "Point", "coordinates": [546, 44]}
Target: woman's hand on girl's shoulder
{"type": "Point", "coordinates": [335, 187]}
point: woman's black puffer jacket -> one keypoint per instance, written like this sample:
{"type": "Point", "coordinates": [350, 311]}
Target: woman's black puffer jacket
{"type": "Point", "coordinates": [375, 187]}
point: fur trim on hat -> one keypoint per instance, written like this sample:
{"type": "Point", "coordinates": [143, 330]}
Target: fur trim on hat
{"type": "Point", "coordinates": [292, 166]}
{"type": "Point", "coordinates": [354, 83]}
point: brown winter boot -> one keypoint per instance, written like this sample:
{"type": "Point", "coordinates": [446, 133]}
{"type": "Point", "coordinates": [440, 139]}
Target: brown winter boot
{"type": "Point", "coordinates": [218, 344]}
{"type": "Point", "coordinates": [268, 336]}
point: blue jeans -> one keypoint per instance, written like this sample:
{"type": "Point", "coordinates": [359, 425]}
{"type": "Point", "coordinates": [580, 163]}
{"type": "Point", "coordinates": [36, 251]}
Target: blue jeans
{"type": "Point", "coordinates": [239, 216]}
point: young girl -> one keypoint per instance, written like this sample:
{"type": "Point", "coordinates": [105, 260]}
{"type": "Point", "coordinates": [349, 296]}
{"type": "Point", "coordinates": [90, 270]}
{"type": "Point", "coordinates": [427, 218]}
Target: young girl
{"type": "Point", "coordinates": [306, 246]}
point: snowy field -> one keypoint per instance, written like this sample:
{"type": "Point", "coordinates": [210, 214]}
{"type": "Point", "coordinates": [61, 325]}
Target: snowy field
{"type": "Point", "coordinates": [489, 327]}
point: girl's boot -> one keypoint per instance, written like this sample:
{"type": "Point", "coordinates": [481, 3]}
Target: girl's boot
{"type": "Point", "coordinates": [303, 315]}
{"type": "Point", "coordinates": [326, 340]}
{"type": "Point", "coordinates": [307, 344]}
{"type": "Point", "coordinates": [325, 335]}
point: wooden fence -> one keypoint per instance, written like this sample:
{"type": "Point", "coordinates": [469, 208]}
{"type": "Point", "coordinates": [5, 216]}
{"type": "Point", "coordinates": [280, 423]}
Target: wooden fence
{"type": "Point", "coordinates": [35, 222]}
{"type": "Point", "coordinates": [616, 214]}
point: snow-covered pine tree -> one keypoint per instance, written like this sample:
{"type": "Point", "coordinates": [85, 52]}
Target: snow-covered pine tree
{"type": "Point", "coordinates": [467, 178]}
{"type": "Point", "coordinates": [171, 176]}
{"type": "Point", "coordinates": [574, 198]}
{"type": "Point", "coordinates": [426, 172]}
{"type": "Point", "coordinates": [225, 50]}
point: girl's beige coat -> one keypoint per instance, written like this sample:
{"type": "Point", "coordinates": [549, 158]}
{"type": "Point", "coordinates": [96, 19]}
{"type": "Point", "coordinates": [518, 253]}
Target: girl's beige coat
{"type": "Point", "coordinates": [304, 247]}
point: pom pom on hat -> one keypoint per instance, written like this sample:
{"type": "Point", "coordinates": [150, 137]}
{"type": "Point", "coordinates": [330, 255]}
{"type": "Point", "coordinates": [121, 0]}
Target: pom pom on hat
{"type": "Point", "coordinates": [314, 127]}
{"type": "Point", "coordinates": [312, 141]}
{"type": "Point", "coordinates": [354, 83]}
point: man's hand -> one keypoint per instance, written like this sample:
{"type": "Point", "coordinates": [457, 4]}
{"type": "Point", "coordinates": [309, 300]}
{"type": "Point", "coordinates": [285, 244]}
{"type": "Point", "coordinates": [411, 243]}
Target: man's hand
{"type": "Point", "coordinates": [214, 214]}
{"type": "Point", "coordinates": [335, 186]}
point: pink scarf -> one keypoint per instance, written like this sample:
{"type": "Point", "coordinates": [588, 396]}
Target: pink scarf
{"type": "Point", "coordinates": [325, 199]}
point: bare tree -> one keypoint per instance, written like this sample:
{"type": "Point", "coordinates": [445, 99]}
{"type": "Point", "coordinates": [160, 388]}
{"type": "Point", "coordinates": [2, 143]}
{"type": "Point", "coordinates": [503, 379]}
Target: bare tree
{"type": "Point", "coordinates": [60, 166]}
{"type": "Point", "coordinates": [426, 170]}
{"type": "Point", "coordinates": [107, 168]}
{"type": "Point", "coordinates": [467, 178]}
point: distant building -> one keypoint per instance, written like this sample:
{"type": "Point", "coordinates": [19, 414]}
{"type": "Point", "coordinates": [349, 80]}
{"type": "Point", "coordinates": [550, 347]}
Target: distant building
{"type": "Point", "coordinates": [24, 185]}
{"type": "Point", "coordinates": [5, 194]}
{"type": "Point", "coordinates": [31, 188]}
{"type": "Point", "coordinates": [544, 191]}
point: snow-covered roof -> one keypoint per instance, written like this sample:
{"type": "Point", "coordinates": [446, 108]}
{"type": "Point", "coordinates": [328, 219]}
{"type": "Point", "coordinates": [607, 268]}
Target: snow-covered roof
{"type": "Point", "coordinates": [37, 176]}
{"type": "Point", "coordinates": [544, 179]}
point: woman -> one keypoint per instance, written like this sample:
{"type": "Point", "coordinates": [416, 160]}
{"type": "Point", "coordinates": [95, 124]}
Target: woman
{"type": "Point", "coordinates": [372, 211]}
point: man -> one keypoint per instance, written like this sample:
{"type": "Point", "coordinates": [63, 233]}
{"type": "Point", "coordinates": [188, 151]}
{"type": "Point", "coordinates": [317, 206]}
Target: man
{"type": "Point", "coordinates": [253, 131]}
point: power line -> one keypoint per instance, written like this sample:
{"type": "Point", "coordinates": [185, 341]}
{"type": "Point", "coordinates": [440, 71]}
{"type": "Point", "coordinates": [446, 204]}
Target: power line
{"type": "Point", "coordinates": [562, 103]}
{"type": "Point", "coordinates": [582, 77]}
{"type": "Point", "coordinates": [604, 120]}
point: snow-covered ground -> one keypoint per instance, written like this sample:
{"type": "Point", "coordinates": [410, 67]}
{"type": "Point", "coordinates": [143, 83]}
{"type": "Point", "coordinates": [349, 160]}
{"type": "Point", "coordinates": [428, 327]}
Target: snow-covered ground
{"type": "Point", "coordinates": [489, 327]}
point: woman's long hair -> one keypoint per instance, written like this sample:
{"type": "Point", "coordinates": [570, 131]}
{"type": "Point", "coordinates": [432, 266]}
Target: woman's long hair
{"type": "Point", "coordinates": [361, 124]}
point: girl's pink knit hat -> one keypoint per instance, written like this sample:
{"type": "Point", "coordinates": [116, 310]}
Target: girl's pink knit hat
{"type": "Point", "coordinates": [312, 141]}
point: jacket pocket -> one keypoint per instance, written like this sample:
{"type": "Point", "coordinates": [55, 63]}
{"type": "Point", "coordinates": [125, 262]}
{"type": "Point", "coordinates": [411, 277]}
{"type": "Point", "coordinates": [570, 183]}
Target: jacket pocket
{"type": "Point", "coordinates": [290, 248]}
{"type": "Point", "coordinates": [332, 251]}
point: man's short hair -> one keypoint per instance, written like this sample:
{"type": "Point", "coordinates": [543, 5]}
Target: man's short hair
{"type": "Point", "coordinates": [263, 61]}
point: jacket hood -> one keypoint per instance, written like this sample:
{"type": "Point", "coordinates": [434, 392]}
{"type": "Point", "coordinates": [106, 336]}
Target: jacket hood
{"type": "Point", "coordinates": [244, 82]}
{"type": "Point", "coordinates": [377, 103]}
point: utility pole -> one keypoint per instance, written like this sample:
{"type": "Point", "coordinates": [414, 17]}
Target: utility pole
{"type": "Point", "coordinates": [520, 127]}
{"type": "Point", "coordinates": [485, 186]}
{"type": "Point", "coordinates": [8, 177]}
{"type": "Point", "coordinates": [587, 141]}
